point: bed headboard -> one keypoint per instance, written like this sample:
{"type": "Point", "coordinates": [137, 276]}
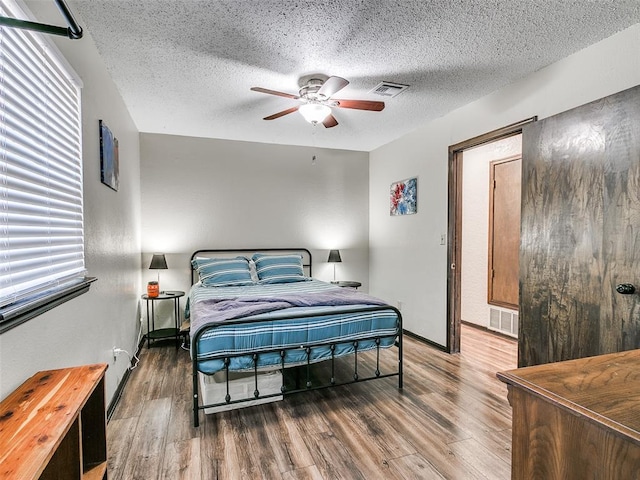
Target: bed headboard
{"type": "Point", "coordinates": [248, 252]}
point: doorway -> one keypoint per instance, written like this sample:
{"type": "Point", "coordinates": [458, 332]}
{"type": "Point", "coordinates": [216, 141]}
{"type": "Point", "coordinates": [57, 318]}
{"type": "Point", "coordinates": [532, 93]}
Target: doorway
{"type": "Point", "coordinates": [455, 233]}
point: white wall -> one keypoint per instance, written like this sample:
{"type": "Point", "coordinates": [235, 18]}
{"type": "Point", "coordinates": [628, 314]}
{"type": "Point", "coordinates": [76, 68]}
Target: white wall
{"type": "Point", "coordinates": [206, 193]}
{"type": "Point", "coordinates": [407, 263]}
{"type": "Point", "coordinates": [85, 329]}
{"type": "Point", "coordinates": [475, 225]}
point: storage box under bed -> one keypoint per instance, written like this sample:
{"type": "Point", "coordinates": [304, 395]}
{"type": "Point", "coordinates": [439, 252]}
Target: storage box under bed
{"type": "Point", "coordinates": [213, 389]}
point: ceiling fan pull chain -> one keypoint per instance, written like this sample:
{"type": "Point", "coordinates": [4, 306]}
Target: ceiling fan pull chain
{"type": "Point", "coordinates": [313, 140]}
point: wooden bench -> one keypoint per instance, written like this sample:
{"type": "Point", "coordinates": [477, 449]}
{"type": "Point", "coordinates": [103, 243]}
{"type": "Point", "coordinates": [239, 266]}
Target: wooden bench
{"type": "Point", "coordinates": [54, 426]}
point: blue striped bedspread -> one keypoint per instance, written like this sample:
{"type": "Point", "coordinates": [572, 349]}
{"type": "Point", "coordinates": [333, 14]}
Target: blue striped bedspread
{"type": "Point", "coordinates": [216, 310]}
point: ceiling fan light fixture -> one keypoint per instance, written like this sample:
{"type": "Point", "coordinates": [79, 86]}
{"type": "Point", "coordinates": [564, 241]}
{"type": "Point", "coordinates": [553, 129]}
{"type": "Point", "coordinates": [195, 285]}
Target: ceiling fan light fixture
{"type": "Point", "coordinates": [314, 112]}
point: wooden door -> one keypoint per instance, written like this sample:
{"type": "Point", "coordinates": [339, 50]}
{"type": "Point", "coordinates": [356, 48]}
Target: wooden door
{"type": "Point", "coordinates": [504, 232]}
{"type": "Point", "coordinates": [580, 234]}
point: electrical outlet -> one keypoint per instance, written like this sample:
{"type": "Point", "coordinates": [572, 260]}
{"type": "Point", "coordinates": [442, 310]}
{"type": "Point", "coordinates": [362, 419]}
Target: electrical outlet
{"type": "Point", "coordinates": [115, 352]}
{"type": "Point", "coordinates": [443, 239]}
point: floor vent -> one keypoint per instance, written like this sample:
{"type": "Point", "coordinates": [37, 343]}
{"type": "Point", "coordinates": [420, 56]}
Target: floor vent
{"type": "Point", "coordinates": [503, 321]}
{"type": "Point", "coordinates": [389, 89]}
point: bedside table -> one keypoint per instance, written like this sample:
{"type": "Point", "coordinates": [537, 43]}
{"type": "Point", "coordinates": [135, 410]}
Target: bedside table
{"type": "Point", "coordinates": [348, 284]}
{"type": "Point", "coordinates": [161, 333]}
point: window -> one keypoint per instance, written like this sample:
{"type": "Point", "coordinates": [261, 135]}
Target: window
{"type": "Point", "coordinates": [41, 217]}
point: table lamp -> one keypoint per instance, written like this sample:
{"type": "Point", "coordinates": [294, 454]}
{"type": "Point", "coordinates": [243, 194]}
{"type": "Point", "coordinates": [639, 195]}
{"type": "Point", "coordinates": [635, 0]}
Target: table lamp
{"type": "Point", "coordinates": [334, 257]}
{"type": "Point", "coordinates": [158, 262]}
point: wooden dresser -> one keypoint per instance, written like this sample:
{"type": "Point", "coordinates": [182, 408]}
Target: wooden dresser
{"type": "Point", "coordinates": [576, 419]}
{"type": "Point", "coordinates": [54, 426]}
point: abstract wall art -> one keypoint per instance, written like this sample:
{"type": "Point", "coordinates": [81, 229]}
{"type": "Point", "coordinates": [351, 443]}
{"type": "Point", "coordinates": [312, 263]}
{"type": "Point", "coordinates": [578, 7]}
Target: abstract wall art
{"type": "Point", "coordinates": [404, 197]}
{"type": "Point", "coordinates": [109, 161]}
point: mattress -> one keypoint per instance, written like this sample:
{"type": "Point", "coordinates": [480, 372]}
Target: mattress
{"type": "Point", "coordinates": [269, 339]}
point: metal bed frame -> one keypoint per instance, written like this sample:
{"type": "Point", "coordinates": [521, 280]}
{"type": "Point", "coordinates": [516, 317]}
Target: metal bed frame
{"type": "Point", "coordinates": [308, 383]}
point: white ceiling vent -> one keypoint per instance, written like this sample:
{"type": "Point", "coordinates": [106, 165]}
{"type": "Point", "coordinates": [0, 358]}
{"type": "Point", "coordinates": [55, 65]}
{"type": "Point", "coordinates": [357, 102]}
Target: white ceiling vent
{"type": "Point", "coordinates": [389, 89]}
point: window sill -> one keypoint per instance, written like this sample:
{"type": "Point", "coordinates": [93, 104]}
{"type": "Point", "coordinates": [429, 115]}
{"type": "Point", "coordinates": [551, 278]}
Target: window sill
{"type": "Point", "coordinates": [15, 314]}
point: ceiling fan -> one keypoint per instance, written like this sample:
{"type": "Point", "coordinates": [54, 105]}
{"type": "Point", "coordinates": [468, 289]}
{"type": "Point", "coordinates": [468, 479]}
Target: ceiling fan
{"type": "Point", "coordinates": [317, 103]}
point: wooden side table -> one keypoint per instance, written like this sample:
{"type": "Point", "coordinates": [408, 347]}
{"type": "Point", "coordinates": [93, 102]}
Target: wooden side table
{"type": "Point", "coordinates": [161, 333]}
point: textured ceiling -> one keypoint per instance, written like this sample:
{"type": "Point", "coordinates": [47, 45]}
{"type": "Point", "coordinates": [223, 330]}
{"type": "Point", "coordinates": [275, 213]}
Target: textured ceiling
{"type": "Point", "coordinates": [186, 67]}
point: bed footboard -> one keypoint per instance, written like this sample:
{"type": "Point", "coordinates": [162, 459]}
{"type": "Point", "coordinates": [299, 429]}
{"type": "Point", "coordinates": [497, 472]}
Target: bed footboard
{"type": "Point", "coordinates": [369, 342]}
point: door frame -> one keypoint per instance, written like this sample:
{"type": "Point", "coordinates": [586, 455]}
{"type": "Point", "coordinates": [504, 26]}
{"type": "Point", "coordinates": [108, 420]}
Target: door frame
{"type": "Point", "coordinates": [454, 225]}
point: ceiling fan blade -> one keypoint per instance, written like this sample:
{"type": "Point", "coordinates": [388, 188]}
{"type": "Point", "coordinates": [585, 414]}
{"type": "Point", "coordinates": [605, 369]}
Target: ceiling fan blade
{"type": "Point", "coordinates": [274, 92]}
{"type": "Point", "coordinates": [332, 85]}
{"type": "Point", "coordinates": [330, 121]}
{"type": "Point", "coordinates": [281, 114]}
{"type": "Point", "coordinates": [361, 105]}
{"type": "Point", "coordinates": [371, 105]}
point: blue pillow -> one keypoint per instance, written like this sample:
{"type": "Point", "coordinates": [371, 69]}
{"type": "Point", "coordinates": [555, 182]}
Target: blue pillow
{"type": "Point", "coordinates": [223, 272]}
{"type": "Point", "coordinates": [279, 268]}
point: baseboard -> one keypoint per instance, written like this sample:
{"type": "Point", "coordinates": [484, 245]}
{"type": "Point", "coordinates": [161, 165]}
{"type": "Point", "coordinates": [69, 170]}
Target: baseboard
{"type": "Point", "coordinates": [488, 330]}
{"type": "Point", "coordinates": [424, 340]}
{"type": "Point", "coordinates": [118, 394]}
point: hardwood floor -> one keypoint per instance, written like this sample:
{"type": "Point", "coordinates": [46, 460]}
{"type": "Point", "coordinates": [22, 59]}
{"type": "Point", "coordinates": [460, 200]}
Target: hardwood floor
{"type": "Point", "coordinates": [451, 420]}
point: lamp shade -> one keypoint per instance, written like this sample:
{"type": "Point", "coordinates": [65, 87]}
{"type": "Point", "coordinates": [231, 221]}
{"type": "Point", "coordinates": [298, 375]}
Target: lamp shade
{"type": "Point", "coordinates": [334, 256]}
{"type": "Point", "coordinates": [314, 112]}
{"type": "Point", "coordinates": [158, 262]}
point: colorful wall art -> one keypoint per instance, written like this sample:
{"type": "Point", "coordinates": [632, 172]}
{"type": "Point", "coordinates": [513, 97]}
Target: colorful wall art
{"type": "Point", "coordinates": [109, 161]}
{"type": "Point", "coordinates": [404, 197]}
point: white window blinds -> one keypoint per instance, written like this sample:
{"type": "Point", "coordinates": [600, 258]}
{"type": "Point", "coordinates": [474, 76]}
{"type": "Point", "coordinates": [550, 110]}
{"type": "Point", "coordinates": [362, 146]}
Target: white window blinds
{"type": "Point", "coordinates": [41, 222]}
